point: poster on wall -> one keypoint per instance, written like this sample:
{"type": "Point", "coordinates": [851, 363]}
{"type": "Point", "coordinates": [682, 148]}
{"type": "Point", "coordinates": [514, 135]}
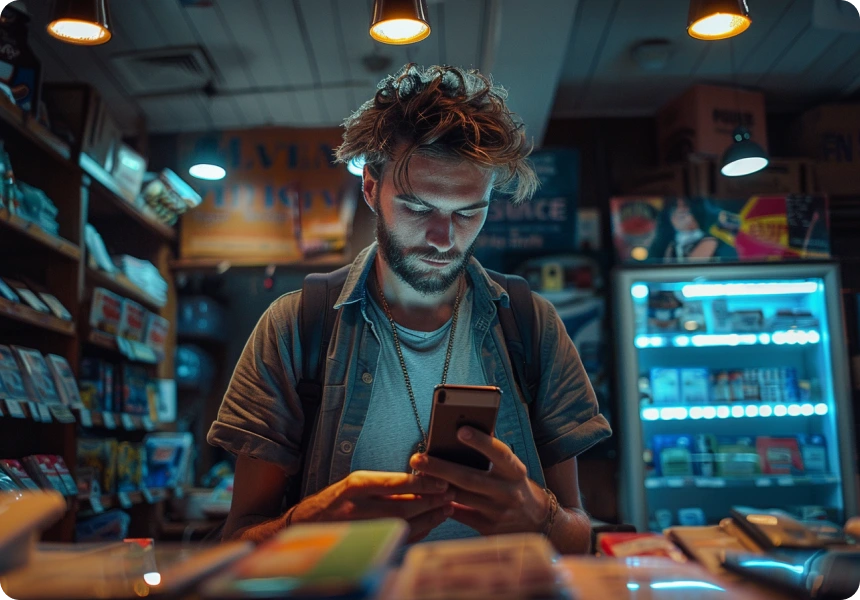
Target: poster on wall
{"type": "Point", "coordinates": [546, 223]}
{"type": "Point", "coordinates": [283, 197]}
{"type": "Point", "coordinates": [668, 229]}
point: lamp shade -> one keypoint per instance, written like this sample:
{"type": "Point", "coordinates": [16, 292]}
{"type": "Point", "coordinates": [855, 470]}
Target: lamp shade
{"type": "Point", "coordinates": [744, 156]}
{"type": "Point", "coordinates": [82, 22]}
{"type": "Point", "coordinates": [399, 21]}
{"type": "Point", "coordinates": [717, 19]}
{"type": "Point", "coordinates": [207, 162]}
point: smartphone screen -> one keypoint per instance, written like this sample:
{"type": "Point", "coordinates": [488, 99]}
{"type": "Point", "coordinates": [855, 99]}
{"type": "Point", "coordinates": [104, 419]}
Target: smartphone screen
{"type": "Point", "coordinates": [456, 406]}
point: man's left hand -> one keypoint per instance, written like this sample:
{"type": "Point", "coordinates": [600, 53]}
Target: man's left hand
{"type": "Point", "coordinates": [501, 500]}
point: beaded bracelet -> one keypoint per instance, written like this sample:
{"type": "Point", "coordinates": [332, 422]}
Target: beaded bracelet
{"type": "Point", "coordinates": [553, 510]}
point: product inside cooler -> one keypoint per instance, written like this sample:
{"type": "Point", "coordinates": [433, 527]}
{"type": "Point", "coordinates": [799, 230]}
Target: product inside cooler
{"type": "Point", "coordinates": [735, 404]}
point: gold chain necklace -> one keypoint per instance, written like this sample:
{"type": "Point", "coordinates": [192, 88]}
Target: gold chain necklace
{"type": "Point", "coordinates": [422, 445]}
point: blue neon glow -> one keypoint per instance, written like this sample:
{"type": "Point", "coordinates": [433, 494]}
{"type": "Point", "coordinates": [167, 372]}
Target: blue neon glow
{"type": "Point", "coordinates": [709, 290]}
{"type": "Point", "coordinates": [681, 341]}
{"type": "Point", "coordinates": [773, 564]}
{"type": "Point", "coordinates": [639, 291]}
{"type": "Point", "coordinates": [764, 338]}
{"type": "Point", "coordinates": [736, 411]}
{"type": "Point", "coordinates": [706, 340]}
{"type": "Point", "coordinates": [632, 586]}
{"type": "Point", "coordinates": [685, 585]}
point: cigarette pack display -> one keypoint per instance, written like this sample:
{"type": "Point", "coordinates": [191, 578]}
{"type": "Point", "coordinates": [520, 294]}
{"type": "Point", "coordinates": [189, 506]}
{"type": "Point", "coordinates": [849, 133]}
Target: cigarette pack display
{"type": "Point", "coordinates": [91, 384]}
{"type": "Point", "coordinates": [41, 469]}
{"type": "Point", "coordinates": [737, 457]}
{"type": "Point", "coordinates": [65, 476]}
{"type": "Point", "coordinates": [665, 386]}
{"type": "Point", "coordinates": [8, 293]}
{"type": "Point", "coordinates": [37, 375]}
{"type": "Point", "coordinates": [780, 456]}
{"type": "Point", "coordinates": [155, 337]}
{"type": "Point", "coordinates": [129, 467]}
{"type": "Point", "coordinates": [132, 321]}
{"type": "Point", "coordinates": [106, 311]}
{"type": "Point", "coordinates": [64, 379]}
{"type": "Point", "coordinates": [622, 545]}
{"type": "Point", "coordinates": [56, 306]}
{"type": "Point", "coordinates": [695, 386]}
{"type": "Point", "coordinates": [813, 450]}
{"type": "Point", "coordinates": [28, 296]}
{"type": "Point", "coordinates": [19, 474]}
{"type": "Point", "coordinates": [13, 386]}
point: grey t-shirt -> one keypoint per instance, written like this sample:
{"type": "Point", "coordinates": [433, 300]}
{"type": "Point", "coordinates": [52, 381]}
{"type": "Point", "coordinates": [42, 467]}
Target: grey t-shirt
{"type": "Point", "coordinates": [390, 434]}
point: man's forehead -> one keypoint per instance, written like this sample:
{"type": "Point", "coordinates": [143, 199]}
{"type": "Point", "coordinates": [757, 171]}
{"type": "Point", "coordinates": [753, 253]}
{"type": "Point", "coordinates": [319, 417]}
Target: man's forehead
{"type": "Point", "coordinates": [431, 176]}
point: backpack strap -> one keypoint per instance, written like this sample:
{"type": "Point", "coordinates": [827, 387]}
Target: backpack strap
{"type": "Point", "coordinates": [518, 327]}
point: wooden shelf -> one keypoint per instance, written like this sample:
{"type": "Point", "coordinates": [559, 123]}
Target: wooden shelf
{"type": "Point", "coordinates": [25, 314]}
{"type": "Point", "coordinates": [26, 126]}
{"type": "Point", "coordinates": [35, 412]}
{"type": "Point", "coordinates": [107, 199]}
{"type": "Point", "coordinates": [36, 237]}
{"type": "Point", "coordinates": [325, 261]}
{"type": "Point", "coordinates": [120, 284]}
{"type": "Point", "coordinates": [136, 497]}
{"type": "Point", "coordinates": [113, 420]}
{"type": "Point", "coordinates": [108, 341]}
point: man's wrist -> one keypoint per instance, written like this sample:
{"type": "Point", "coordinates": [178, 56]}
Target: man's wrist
{"type": "Point", "coordinates": [551, 513]}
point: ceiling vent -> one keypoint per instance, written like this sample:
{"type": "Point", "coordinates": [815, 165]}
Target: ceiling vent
{"type": "Point", "coordinates": [164, 70]}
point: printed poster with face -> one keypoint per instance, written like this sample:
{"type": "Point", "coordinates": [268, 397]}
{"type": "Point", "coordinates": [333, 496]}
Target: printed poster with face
{"type": "Point", "coordinates": [671, 230]}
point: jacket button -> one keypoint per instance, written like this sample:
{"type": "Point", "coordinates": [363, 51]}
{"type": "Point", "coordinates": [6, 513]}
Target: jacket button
{"type": "Point", "coordinates": [367, 378]}
{"type": "Point", "coordinates": [346, 446]}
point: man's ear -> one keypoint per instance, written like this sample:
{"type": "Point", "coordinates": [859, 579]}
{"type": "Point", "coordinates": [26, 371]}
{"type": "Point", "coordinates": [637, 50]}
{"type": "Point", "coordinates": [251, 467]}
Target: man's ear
{"type": "Point", "coordinates": [369, 187]}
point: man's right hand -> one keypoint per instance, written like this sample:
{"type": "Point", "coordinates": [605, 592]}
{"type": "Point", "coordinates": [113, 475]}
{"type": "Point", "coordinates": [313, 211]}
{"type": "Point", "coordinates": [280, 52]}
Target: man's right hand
{"type": "Point", "coordinates": [424, 502]}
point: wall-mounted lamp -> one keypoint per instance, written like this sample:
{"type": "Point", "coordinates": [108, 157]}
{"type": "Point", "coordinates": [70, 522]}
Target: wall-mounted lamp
{"type": "Point", "coordinates": [81, 22]}
{"type": "Point", "coordinates": [399, 21]}
{"type": "Point", "coordinates": [744, 157]}
{"type": "Point", "coordinates": [717, 19]}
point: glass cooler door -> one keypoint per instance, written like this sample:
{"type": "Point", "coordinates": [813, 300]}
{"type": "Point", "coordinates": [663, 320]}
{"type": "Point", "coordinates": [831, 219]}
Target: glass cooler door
{"type": "Point", "coordinates": [735, 392]}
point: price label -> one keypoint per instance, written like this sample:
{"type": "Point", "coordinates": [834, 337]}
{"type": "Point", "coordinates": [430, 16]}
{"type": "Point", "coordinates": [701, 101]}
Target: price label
{"type": "Point", "coordinates": [96, 503]}
{"type": "Point", "coordinates": [785, 481]}
{"type": "Point", "coordinates": [127, 422]}
{"type": "Point", "coordinates": [62, 414]}
{"type": "Point", "coordinates": [34, 411]}
{"type": "Point", "coordinates": [109, 420]}
{"type": "Point", "coordinates": [124, 499]}
{"type": "Point", "coordinates": [148, 424]}
{"type": "Point", "coordinates": [763, 482]}
{"type": "Point", "coordinates": [15, 409]}
{"type": "Point", "coordinates": [652, 483]}
{"type": "Point", "coordinates": [147, 495]}
{"type": "Point", "coordinates": [45, 413]}
{"type": "Point", "coordinates": [710, 482]}
{"type": "Point", "coordinates": [674, 482]}
{"type": "Point", "coordinates": [86, 418]}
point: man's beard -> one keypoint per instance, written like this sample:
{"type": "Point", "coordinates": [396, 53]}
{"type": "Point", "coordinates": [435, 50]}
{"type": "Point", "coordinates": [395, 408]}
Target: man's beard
{"type": "Point", "coordinates": [406, 264]}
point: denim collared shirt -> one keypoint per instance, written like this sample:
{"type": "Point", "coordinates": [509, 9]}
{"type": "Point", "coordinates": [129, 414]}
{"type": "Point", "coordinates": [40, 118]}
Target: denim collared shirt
{"type": "Point", "coordinates": [261, 414]}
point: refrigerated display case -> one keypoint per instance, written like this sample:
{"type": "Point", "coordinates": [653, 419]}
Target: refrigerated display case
{"type": "Point", "coordinates": [734, 391]}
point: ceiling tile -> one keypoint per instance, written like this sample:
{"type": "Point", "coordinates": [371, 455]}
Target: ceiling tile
{"type": "Point", "coordinates": [282, 29]}
{"type": "Point", "coordinates": [312, 109]}
{"type": "Point", "coordinates": [462, 31]}
{"type": "Point", "coordinates": [221, 47]}
{"type": "Point", "coordinates": [323, 27]}
{"type": "Point", "coordinates": [186, 113]}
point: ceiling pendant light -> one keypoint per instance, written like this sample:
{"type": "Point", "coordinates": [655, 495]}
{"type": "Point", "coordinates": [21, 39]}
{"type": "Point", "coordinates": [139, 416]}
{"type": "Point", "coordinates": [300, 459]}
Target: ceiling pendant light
{"type": "Point", "coordinates": [399, 22]}
{"type": "Point", "coordinates": [717, 19]}
{"type": "Point", "coordinates": [207, 162]}
{"type": "Point", "coordinates": [744, 157]}
{"type": "Point", "coordinates": [81, 22]}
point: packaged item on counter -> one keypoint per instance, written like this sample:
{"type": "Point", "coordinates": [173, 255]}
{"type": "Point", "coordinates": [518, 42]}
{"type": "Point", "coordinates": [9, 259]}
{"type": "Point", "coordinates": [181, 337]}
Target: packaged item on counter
{"type": "Point", "coordinates": [168, 456]}
{"type": "Point", "coordinates": [63, 472]}
{"type": "Point", "coordinates": [695, 386]}
{"type": "Point", "coordinates": [13, 386]}
{"type": "Point", "coordinates": [745, 321]}
{"type": "Point", "coordinates": [8, 293]}
{"type": "Point", "coordinates": [693, 316]}
{"type": "Point", "coordinates": [666, 386]}
{"type": "Point", "coordinates": [106, 311]}
{"type": "Point", "coordinates": [674, 454]}
{"type": "Point", "coordinates": [27, 295]}
{"type": "Point", "coordinates": [721, 321]}
{"type": "Point", "coordinates": [129, 467]}
{"type": "Point", "coordinates": [737, 457]}
{"type": "Point", "coordinates": [813, 451]}
{"type": "Point", "coordinates": [664, 312]}
{"type": "Point", "coordinates": [41, 470]}
{"type": "Point", "coordinates": [155, 336]}
{"type": "Point", "coordinates": [64, 379]}
{"type": "Point", "coordinates": [132, 321]}
{"type": "Point", "coordinates": [16, 471]}
{"type": "Point", "coordinates": [37, 375]}
{"type": "Point", "coordinates": [622, 545]}
{"type": "Point", "coordinates": [704, 455]}
{"type": "Point", "coordinates": [110, 526]}
{"type": "Point", "coordinates": [780, 456]}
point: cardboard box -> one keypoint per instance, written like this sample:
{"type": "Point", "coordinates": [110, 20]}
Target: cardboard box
{"type": "Point", "coordinates": [831, 135]}
{"type": "Point", "coordinates": [703, 119]}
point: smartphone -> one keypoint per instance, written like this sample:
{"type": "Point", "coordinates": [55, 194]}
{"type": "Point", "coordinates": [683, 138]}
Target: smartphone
{"type": "Point", "coordinates": [455, 406]}
{"type": "Point", "coordinates": [774, 529]}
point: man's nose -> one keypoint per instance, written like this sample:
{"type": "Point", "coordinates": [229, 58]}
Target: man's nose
{"type": "Point", "coordinates": [440, 233]}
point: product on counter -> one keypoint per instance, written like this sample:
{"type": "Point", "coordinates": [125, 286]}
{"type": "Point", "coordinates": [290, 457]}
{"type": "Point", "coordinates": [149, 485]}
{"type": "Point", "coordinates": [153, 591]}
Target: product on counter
{"type": "Point", "coordinates": [622, 545]}
{"type": "Point", "coordinates": [37, 375]}
{"type": "Point", "coordinates": [12, 386]}
{"type": "Point", "coordinates": [64, 379]}
{"type": "Point", "coordinates": [106, 311]}
{"type": "Point", "coordinates": [780, 456]}
{"type": "Point", "coordinates": [132, 321]}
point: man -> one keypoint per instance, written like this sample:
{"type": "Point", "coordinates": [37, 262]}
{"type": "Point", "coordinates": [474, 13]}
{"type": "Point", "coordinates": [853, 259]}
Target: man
{"type": "Point", "coordinates": [416, 310]}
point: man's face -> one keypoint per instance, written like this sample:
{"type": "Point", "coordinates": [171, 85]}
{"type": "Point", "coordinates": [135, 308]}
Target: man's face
{"type": "Point", "coordinates": [428, 237]}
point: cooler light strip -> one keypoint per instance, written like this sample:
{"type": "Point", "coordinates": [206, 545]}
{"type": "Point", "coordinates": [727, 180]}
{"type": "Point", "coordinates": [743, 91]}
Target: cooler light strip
{"type": "Point", "coordinates": [704, 340]}
{"type": "Point", "coordinates": [710, 290]}
{"type": "Point", "coordinates": [734, 411]}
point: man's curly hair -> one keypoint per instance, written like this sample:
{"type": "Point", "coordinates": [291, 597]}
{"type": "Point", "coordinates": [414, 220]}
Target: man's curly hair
{"type": "Point", "coordinates": [442, 112]}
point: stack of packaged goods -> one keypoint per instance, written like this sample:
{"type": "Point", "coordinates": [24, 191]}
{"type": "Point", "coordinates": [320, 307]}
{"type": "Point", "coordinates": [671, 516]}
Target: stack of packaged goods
{"type": "Point", "coordinates": [699, 386]}
{"type": "Point", "coordinates": [144, 275]}
{"type": "Point", "coordinates": [37, 472]}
